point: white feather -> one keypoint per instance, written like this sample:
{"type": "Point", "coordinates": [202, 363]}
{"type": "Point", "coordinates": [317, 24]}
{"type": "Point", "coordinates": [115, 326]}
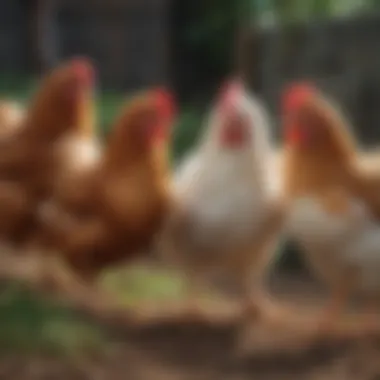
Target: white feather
{"type": "Point", "coordinates": [79, 153]}
{"type": "Point", "coordinates": [11, 117]}
{"type": "Point", "coordinates": [348, 240]}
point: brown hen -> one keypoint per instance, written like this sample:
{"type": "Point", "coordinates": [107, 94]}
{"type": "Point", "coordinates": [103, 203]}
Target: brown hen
{"type": "Point", "coordinates": [113, 209]}
{"type": "Point", "coordinates": [336, 207]}
{"type": "Point", "coordinates": [28, 158]}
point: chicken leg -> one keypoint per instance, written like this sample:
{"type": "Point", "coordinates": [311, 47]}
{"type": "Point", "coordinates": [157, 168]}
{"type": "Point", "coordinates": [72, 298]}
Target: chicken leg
{"type": "Point", "coordinates": [340, 293]}
{"type": "Point", "coordinates": [257, 303]}
{"type": "Point", "coordinates": [194, 289]}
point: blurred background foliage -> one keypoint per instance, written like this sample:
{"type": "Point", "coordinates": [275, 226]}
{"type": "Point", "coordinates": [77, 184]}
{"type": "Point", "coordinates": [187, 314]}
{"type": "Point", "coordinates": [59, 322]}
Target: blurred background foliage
{"type": "Point", "coordinates": [209, 31]}
{"type": "Point", "coordinates": [217, 20]}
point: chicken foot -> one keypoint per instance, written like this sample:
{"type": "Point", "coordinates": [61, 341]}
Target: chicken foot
{"type": "Point", "coordinates": [334, 309]}
{"type": "Point", "coordinates": [193, 309]}
{"type": "Point", "coordinates": [258, 305]}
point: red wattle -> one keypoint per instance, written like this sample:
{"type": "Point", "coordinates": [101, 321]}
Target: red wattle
{"type": "Point", "coordinates": [295, 135]}
{"type": "Point", "coordinates": [164, 103]}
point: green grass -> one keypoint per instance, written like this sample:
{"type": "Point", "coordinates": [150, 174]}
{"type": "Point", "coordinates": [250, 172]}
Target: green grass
{"type": "Point", "coordinates": [31, 323]}
{"type": "Point", "coordinates": [143, 284]}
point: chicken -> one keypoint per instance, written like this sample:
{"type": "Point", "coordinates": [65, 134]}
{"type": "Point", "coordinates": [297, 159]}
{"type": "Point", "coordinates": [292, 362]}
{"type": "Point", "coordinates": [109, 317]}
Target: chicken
{"type": "Point", "coordinates": [11, 117]}
{"type": "Point", "coordinates": [331, 217]}
{"type": "Point", "coordinates": [113, 208]}
{"type": "Point", "coordinates": [228, 204]}
{"type": "Point", "coordinates": [28, 158]}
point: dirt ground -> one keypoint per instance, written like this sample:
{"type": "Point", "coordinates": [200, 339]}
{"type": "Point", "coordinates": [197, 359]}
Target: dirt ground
{"type": "Point", "coordinates": [168, 346]}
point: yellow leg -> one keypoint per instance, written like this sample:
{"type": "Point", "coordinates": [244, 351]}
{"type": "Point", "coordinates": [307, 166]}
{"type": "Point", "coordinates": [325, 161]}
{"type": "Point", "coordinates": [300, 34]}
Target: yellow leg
{"type": "Point", "coordinates": [193, 308]}
{"type": "Point", "coordinates": [82, 290]}
{"type": "Point", "coordinates": [54, 275]}
{"type": "Point", "coordinates": [257, 304]}
{"type": "Point", "coordinates": [251, 267]}
{"type": "Point", "coordinates": [260, 307]}
{"type": "Point", "coordinates": [336, 304]}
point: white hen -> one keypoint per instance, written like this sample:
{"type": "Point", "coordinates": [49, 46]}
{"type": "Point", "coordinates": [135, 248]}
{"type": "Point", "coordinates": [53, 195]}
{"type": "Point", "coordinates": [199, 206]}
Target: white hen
{"type": "Point", "coordinates": [229, 200]}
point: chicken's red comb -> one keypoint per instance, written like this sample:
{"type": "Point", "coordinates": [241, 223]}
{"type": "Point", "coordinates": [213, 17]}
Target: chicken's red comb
{"type": "Point", "coordinates": [164, 101]}
{"type": "Point", "coordinates": [83, 70]}
{"type": "Point", "coordinates": [296, 95]}
{"type": "Point", "coordinates": [228, 93]}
